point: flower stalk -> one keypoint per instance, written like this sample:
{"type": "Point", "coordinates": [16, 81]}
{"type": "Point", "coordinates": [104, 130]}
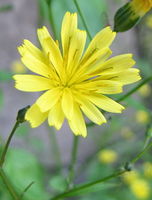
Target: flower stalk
{"type": "Point", "coordinates": [82, 18]}
{"type": "Point", "coordinates": [73, 161]}
{"type": "Point", "coordinates": [8, 185]}
{"type": "Point", "coordinates": [116, 174]}
{"type": "Point", "coordinates": [20, 119]}
{"type": "Point", "coordinates": [8, 143]}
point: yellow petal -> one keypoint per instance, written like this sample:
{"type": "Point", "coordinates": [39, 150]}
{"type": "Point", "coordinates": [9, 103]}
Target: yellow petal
{"type": "Point", "coordinates": [105, 103]}
{"type": "Point", "coordinates": [77, 123]}
{"type": "Point", "coordinates": [56, 116]}
{"type": "Point", "coordinates": [67, 103]}
{"type": "Point", "coordinates": [90, 110]}
{"type": "Point", "coordinates": [69, 26]}
{"type": "Point", "coordinates": [101, 86]}
{"type": "Point", "coordinates": [32, 83]}
{"type": "Point", "coordinates": [115, 64]}
{"type": "Point", "coordinates": [102, 40]}
{"type": "Point", "coordinates": [28, 47]}
{"type": "Point", "coordinates": [86, 66]}
{"type": "Point", "coordinates": [35, 65]}
{"type": "Point", "coordinates": [125, 77]}
{"type": "Point", "coordinates": [50, 48]}
{"type": "Point", "coordinates": [47, 100]}
{"type": "Point", "coordinates": [76, 47]}
{"type": "Point", "coordinates": [97, 57]}
{"type": "Point", "coordinates": [35, 116]}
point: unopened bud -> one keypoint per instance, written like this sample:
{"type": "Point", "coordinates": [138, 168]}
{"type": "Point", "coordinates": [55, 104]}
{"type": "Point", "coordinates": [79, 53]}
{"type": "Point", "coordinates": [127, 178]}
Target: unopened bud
{"type": "Point", "coordinates": [130, 14]}
{"type": "Point", "coordinates": [21, 114]}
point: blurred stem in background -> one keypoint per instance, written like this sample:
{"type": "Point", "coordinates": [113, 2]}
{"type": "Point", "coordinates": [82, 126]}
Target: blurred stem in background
{"type": "Point", "coordinates": [9, 186]}
{"type": "Point", "coordinates": [55, 149]}
{"type": "Point", "coordinates": [82, 18]}
{"type": "Point", "coordinates": [73, 161]}
{"type": "Point", "coordinates": [51, 19]}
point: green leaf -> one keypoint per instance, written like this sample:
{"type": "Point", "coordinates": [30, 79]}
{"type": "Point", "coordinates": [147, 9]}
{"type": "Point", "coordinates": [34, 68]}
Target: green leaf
{"type": "Point", "coordinates": [5, 8]}
{"type": "Point", "coordinates": [58, 183]}
{"type": "Point", "coordinates": [93, 13]}
{"type": "Point", "coordinates": [5, 76]}
{"type": "Point", "coordinates": [43, 9]}
{"type": "Point", "coordinates": [23, 168]}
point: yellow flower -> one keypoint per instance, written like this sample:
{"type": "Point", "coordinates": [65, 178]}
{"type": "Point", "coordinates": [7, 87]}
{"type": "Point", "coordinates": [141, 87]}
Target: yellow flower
{"type": "Point", "coordinates": [142, 117]}
{"type": "Point", "coordinates": [140, 189]}
{"type": "Point", "coordinates": [127, 133]}
{"type": "Point", "coordinates": [145, 90]}
{"type": "Point", "coordinates": [107, 156]}
{"type": "Point", "coordinates": [74, 81]}
{"type": "Point", "coordinates": [141, 7]}
{"type": "Point", "coordinates": [18, 67]}
{"type": "Point", "coordinates": [130, 177]}
{"type": "Point", "coordinates": [148, 169]}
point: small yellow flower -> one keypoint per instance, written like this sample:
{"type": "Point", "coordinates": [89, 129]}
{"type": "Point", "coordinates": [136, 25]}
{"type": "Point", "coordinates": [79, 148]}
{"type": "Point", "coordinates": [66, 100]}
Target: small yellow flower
{"type": "Point", "coordinates": [18, 67]}
{"type": "Point", "coordinates": [107, 156]}
{"type": "Point", "coordinates": [127, 133]}
{"type": "Point", "coordinates": [130, 177]}
{"type": "Point", "coordinates": [142, 117]}
{"type": "Point", "coordinates": [149, 21]}
{"type": "Point", "coordinates": [145, 90]}
{"type": "Point", "coordinates": [74, 82]}
{"type": "Point", "coordinates": [141, 7]}
{"type": "Point", "coordinates": [148, 169]}
{"type": "Point", "coordinates": [140, 188]}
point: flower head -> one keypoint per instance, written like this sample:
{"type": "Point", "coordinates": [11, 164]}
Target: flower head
{"type": "Point", "coordinates": [74, 82]}
{"type": "Point", "coordinates": [140, 188]}
{"type": "Point", "coordinates": [142, 117]}
{"type": "Point", "coordinates": [107, 156]}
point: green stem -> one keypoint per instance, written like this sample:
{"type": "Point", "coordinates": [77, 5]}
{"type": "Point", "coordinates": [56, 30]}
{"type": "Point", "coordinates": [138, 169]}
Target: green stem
{"type": "Point", "coordinates": [141, 153]}
{"type": "Point", "coordinates": [8, 185]}
{"type": "Point", "coordinates": [73, 161]}
{"type": "Point", "coordinates": [55, 148]}
{"type": "Point", "coordinates": [26, 189]}
{"type": "Point", "coordinates": [8, 143]}
{"type": "Point", "coordinates": [73, 191]}
{"type": "Point", "coordinates": [82, 18]}
{"type": "Point", "coordinates": [134, 89]}
{"type": "Point", "coordinates": [51, 19]}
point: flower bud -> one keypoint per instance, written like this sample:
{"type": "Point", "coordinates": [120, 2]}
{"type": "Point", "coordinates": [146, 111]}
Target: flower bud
{"type": "Point", "coordinates": [130, 14]}
{"type": "Point", "coordinates": [21, 114]}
